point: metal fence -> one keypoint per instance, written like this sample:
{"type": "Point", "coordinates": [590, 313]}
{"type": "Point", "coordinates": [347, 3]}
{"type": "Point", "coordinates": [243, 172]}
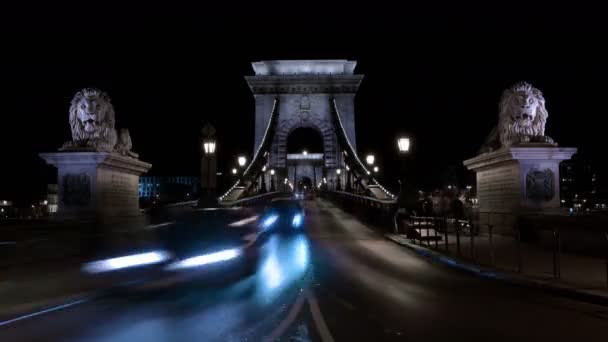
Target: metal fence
{"type": "Point", "coordinates": [512, 248]}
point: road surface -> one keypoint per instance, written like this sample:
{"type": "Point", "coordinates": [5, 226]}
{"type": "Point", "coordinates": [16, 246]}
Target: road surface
{"type": "Point", "coordinates": [340, 281]}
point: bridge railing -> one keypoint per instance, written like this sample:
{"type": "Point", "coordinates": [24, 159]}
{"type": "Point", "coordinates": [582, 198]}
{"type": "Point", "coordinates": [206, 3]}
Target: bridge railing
{"type": "Point", "coordinates": [370, 209]}
{"type": "Point", "coordinates": [255, 200]}
{"type": "Point", "coordinates": [532, 243]}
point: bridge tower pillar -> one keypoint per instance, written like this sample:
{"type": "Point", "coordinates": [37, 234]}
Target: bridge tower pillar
{"type": "Point", "coordinates": [305, 89]}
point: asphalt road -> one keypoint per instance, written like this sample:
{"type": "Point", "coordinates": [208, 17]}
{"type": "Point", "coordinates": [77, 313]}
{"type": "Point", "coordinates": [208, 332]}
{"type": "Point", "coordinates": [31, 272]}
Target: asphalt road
{"type": "Point", "coordinates": [340, 281]}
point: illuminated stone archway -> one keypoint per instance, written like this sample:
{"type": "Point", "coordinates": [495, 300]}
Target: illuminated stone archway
{"type": "Point", "coordinates": [306, 91]}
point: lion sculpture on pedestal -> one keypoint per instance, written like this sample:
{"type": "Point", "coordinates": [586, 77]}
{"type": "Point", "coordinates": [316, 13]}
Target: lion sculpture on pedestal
{"type": "Point", "coordinates": [521, 118]}
{"type": "Point", "coordinates": [92, 123]}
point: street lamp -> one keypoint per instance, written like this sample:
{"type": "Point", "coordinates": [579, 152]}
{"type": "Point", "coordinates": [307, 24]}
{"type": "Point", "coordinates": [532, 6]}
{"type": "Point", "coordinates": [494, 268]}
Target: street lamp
{"type": "Point", "coordinates": [272, 172]}
{"type": "Point", "coordinates": [403, 144]}
{"type": "Point", "coordinates": [338, 171]}
{"type": "Point", "coordinates": [304, 152]}
{"type": "Point", "coordinates": [234, 171]}
{"type": "Point", "coordinates": [370, 159]}
{"type": "Point", "coordinates": [376, 169]}
{"type": "Point", "coordinates": [209, 146]}
{"type": "Point", "coordinates": [242, 161]}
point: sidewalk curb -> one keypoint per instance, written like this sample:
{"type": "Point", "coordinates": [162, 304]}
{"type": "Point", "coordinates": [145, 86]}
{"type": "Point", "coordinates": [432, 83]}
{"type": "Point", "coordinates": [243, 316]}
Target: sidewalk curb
{"type": "Point", "coordinates": [20, 312]}
{"type": "Point", "coordinates": [547, 286]}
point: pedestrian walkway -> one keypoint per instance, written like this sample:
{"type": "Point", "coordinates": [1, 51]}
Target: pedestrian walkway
{"type": "Point", "coordinates": [505, 254]}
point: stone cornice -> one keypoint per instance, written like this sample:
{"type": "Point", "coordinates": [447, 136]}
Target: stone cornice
{"type": "Point", "coordinates": [510, 154]}
{"type": "Point", "coordinates": [102, 159]}
{"type": "Point", "coordinates": [298, 84]}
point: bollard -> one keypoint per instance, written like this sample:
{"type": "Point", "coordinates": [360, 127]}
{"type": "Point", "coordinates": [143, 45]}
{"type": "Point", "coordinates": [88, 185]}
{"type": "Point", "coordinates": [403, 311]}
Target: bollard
{"type": "Point", "coordinates": [492, 256]}
{"type": "Point", "coordinates": [519, 257]}
{"type": "Point", "coordinates": [457, 225]}
{"type": "Point", "coordinates": [427, 222]}
{"type": "Point", "coordinates": [444, 225]}
{"type": "Point", "coordinates": [556, 252]}
{"type": "Point", "coordinates": [436, 236]}
{"type": "Point", "coordinates": [606, 234]}
{"type": "Point", "coordinates": [472, 236]}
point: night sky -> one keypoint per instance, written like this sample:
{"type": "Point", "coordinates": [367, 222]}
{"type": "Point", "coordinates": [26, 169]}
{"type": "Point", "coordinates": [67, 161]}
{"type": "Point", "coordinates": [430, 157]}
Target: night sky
{"type": "Point", "coordinates": [436, 77]}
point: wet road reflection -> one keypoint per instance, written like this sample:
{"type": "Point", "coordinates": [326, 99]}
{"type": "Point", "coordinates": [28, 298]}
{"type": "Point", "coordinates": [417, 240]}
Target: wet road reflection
{"type": "Point", "coordinates": [337, 281]}
{"type": "Point", "coordinates": [285, 260]}
{"type": "Point", "coordinates": [230, 310]}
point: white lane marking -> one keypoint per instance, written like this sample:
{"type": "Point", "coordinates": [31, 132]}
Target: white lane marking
{"type": "Point", "coordinates": [8, 243]}
{"type": "Point", "coordinates": [34, 314]}
{"type": "Point", "coordinates": [154, 226]}
{"type": "Point", "coordinates": [317, 316]}
{"type": "Point", "coordinates": [291, 316]}
{"type": "Point", "coordinates": [244, 221]}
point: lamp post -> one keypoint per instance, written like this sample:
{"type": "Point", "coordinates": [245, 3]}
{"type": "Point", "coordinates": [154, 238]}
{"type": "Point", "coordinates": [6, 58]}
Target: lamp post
{"type": "Point", "coordinates": [338, 180]}
{"type": "Point", "coordinates": [242, 161]}
{"type": "Point", "coordinates": [208, 167]}
{"type": "Point", "coordinates": [370, 159]}
{"type": "Point", "coordinates": [272, 186]}
{"type": "Point", "coordinates": [349, 187]}
{"type": "Point", "coordinates": [403, 145]}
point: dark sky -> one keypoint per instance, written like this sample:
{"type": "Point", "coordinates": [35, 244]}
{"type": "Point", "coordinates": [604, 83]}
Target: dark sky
{"type": "Point", "coordinates": [435, 75]}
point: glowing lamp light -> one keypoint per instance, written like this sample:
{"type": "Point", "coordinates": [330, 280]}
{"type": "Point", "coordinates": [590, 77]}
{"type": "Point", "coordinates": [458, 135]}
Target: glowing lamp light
{"type": "Point", "coordinates": [126, 261]}
{"type": "Point", "coordinates": [234, 171]}
{"type": "Point", "coordinates": [272, 172]}
{"type": "Point", "coordinates": [376, 169]}
{"type": "Point", "coordinates": [242, 161]}
{"type": "Point", "coordinates": [296, 221]}
{"type": "Point", "coordinates": [338, 171]}
{"type": "Point", "coordinates": [202, 260]}
{"type": "Point", "coordinates": [304, 152]}
{"type": "Point", "coordinates": [370, 159]}
{"type": "Point", "coordinates": [209, 146]}
{"type": "Point", "coordinates": [269, 221]}
{"type": "Point", "coordinates": [403, 144]}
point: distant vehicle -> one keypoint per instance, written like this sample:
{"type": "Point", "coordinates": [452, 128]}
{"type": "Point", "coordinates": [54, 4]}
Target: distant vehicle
{"type": "Point", "coordinates": [216, 243]}
{"type": "Point", "coordinates": [285, 215]}
{"type": "Point", "coordinates": [214, 240]}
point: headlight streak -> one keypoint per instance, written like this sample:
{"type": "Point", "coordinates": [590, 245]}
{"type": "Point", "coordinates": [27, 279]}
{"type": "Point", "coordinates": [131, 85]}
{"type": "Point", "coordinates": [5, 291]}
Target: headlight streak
{"type": "Point", "coordinates": [205, 259]}
{"type": "Point", "coordinates": [114, 264]}
{"type": "Point", "coordinates": [296, 222]}
{"type": "Point", "coordinates": [243, 222]}
{"type": "Point", "coordinates": [269, 221]}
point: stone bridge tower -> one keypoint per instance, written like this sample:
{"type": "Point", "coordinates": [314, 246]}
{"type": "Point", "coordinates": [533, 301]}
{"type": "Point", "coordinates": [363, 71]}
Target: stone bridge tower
{"type": "Point", "coordinates": [305, 89]}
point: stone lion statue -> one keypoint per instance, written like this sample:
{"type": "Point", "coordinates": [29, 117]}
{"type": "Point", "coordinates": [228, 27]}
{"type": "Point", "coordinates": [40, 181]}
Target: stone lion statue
{"type": "Point", "coordinates": [521, 118]}
{"type": "Point", "coordinates": [124, 145]}
{"type": "Point", "coordinates": [92, 123]}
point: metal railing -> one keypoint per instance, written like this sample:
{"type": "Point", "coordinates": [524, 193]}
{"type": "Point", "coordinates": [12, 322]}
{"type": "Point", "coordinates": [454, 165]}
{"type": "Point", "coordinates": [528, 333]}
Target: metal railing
{"type": "Point", "coordinates": [370, 209]}
{"type": "Point", "coordinates": [252, 200]}
{"type": "Point", "coordinates": [480, 236]}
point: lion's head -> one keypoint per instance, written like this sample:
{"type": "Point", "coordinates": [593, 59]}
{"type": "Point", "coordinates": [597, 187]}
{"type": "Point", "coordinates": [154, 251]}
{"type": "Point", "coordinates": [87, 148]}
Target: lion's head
{"type": "Point", "coordinates": [91, 115]}
{"type": "Point", "coordinates": [522, 114]}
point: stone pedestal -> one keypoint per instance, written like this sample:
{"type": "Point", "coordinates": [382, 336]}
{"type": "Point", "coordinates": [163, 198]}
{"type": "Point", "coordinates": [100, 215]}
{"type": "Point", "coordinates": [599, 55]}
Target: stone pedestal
{"type": "Point", "coordinates": [97, 185]}
{"type": "Point", "coordinates": [518, 179]}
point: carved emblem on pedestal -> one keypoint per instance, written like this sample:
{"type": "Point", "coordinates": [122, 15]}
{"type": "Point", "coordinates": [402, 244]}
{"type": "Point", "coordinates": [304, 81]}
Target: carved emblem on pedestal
{"type": "Point", "coordinates": [539, 185]}
{"type": "Point", "coordinates": [76, 189]}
